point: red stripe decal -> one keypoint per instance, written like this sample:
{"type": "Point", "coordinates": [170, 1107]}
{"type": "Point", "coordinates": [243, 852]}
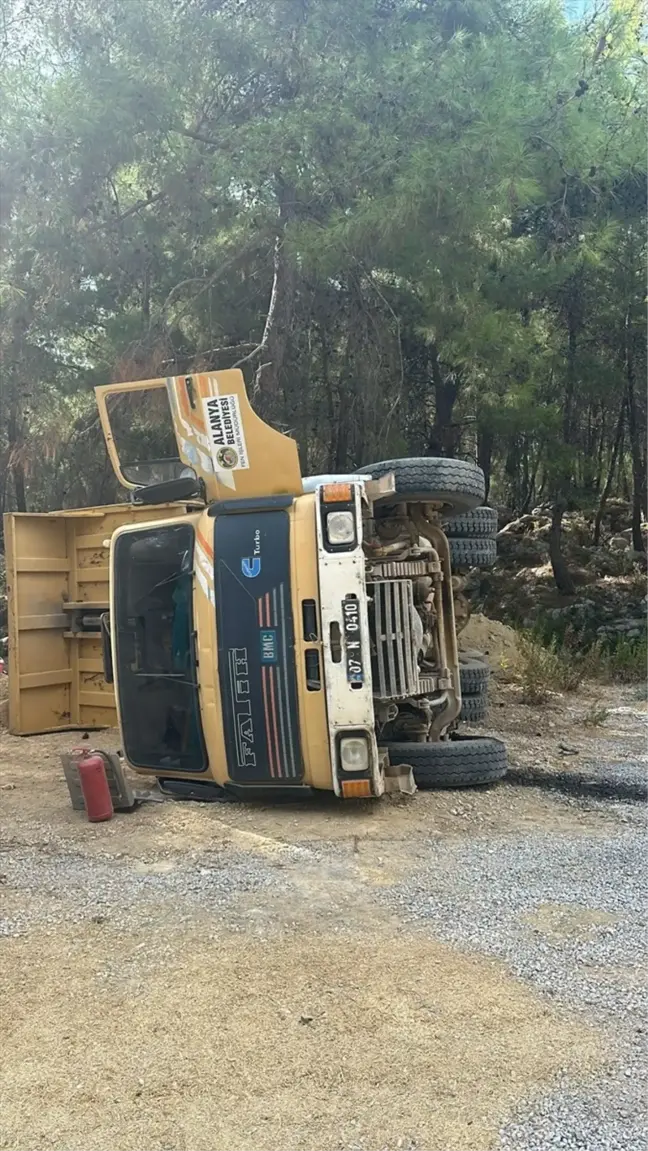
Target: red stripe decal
{"type": "Point", "coordinates": [264, 685]}
{"type": "Point", "coordinates": [274, 721]}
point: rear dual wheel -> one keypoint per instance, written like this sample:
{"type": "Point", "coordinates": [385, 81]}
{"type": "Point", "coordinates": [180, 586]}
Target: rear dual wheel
{"type": "Point", "coordinates": [473, 708]}
{"type": "Point", "coordinates": [474, 676]}
{"type": "Point", "coordinates": [471, 539]}
{"type": "Point", "coordinates": [480, 522]}
{"type": "Point", "coordinates": [472, 552]}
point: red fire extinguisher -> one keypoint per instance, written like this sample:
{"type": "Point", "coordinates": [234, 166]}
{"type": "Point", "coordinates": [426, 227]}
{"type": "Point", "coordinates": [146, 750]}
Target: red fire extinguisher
{"type": "Point", "coordinates": [94, 785]}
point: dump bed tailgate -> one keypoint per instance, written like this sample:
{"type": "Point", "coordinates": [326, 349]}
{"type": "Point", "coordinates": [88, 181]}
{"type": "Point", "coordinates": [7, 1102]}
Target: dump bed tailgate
{"type": "Point", "coordinates": [57, 581]}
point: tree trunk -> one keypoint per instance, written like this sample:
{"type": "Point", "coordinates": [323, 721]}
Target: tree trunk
{"type": "Point", "coordinates": [528, 498]}
{"type": "Point", "coordinates": [18, 473]}
{"type": "Point", "coordinates": [616, 448]}
{"type": "Point", "coordinates": [600, 454]}
{"type": "Point", "coordinates": [443, 434]}
{"type": "Point", "coordinates": [14, 442]}
{"type": "Point", "coordinates": [563, 579]}
{"type": "Point", "coordinates": [524, 463]}
{"type": "Point", "coordinates": [3, 499]}
{"type": "Point", "coordinates": [328, 393]}
{"type": "Point", "coordinates": [574, 319]}
{"type": "Point", "coordinates": [638, 463]}
{"type": "Point", "coordinates": [564, 477]}
{"type": "Point", "coordinates": [276, 332]}
{"type": "Point", "coordinates": [341, 402]}
{"type": "Point", "coordinates": [485, 445]}
{"type": "Point", "coordinates": [341, 440]}
{"type": "Point", "coordinates": [512, 473]}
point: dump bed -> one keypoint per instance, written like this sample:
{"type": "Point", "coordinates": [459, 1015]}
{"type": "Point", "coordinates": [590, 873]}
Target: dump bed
{"type": "Point", "coordinates": [57, 583]}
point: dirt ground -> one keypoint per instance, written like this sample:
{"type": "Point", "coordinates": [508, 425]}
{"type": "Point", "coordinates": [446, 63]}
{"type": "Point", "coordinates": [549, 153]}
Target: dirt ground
{"type": "Point", "coordinates": [204, 977]}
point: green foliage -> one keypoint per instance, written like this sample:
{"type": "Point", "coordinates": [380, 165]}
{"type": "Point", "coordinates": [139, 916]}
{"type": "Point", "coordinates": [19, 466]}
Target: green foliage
{"type": "Point", "coordinates": [625, 661]}
{"type": "Point", "coordinates": [544, 670]}
{"type": "Point", "coordinates": [458, 195]}
{"type": "Point", "coordinates": [543, 667]}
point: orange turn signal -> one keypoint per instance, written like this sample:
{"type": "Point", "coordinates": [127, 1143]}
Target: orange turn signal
{"type": "Point", "coordinates": [337, 493]}
{"type": "Point", "coordinates": [356, 789]}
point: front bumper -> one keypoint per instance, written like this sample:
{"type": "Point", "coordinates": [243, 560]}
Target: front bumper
{"type": "Point", "coordinates": [349, 701]}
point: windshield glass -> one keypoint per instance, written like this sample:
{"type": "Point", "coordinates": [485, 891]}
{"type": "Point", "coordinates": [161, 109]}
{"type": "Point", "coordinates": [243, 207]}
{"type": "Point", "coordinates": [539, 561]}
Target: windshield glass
{"type": "Point", "coordinates": [156, 667]}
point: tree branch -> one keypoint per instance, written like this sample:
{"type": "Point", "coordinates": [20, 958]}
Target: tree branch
{"type": "Point", "coordinates": [155, 199]}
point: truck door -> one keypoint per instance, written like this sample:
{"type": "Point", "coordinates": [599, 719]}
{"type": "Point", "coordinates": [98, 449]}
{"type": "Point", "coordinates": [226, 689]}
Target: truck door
{"type": "Point", "coordinates": [158, 430]}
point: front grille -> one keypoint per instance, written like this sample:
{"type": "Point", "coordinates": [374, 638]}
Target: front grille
{"type": "Point", "coordinates": [394, 667]}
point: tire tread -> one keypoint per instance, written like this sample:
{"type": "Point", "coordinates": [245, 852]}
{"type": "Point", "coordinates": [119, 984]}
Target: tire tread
{"type": "Point", "coordinates": [473, 708]}
{"type": "Point", "coordinates": [463, 762]}
{"type": "Point", "coordinates": [474, 676]}
{"type": "Point", "coordinates": [472, 553]}
{"type": "Point", "coordinates": [481, 522]}
{"type": "Point", "coordinates": [457, 483]}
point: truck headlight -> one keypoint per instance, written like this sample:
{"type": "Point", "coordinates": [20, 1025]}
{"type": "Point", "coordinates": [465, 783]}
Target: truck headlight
{"type": "Point", "coordinates": [354, 753]}
{"type": "Point", "coordinates": [340, 528]}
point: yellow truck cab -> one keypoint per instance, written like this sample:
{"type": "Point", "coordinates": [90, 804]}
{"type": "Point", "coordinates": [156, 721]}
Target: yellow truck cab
{"type": "Point", "coordinates": [262, 632]}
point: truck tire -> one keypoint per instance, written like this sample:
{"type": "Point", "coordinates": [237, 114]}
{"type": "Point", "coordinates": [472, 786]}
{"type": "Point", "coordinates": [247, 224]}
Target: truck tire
{"type": "Point", "coordinates": [480, 522]}
{"type": "Point", "coordinates": [473, 708]}
{"type": "Point", "coordinates": [474, 676]}
{"type": "Point", "coordinates": [472, 553]}
{"type": "Point", "coordinates": [464, 761]}
{"type": "Point", "coordinates": [458, 484]}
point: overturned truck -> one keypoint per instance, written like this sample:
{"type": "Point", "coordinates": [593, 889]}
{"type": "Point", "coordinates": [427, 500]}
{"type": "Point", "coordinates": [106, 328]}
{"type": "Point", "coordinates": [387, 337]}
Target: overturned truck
{"type": "Point", "coordinates": [246, 628]}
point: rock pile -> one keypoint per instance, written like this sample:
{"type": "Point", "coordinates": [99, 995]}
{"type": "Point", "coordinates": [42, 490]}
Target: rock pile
{"type": "Point", "coordinates": [610, 578]}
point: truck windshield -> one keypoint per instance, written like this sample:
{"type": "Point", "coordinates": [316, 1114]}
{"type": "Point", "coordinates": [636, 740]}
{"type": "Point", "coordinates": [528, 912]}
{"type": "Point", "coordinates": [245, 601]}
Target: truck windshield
{"type": "Point", "coordinates": [156, 669]}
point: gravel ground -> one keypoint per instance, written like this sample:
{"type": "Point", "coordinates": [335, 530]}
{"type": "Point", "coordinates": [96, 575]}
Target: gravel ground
{"type": "Point", "coordinates": [104, 888]}
{"type": "Point", "coordinates": [569, 916]}
{"type": "Point", "coordinates": [459, 972]}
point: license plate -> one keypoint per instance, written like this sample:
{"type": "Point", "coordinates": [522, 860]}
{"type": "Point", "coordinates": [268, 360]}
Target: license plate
{"type": "Point", "coordinates": [352, 643]}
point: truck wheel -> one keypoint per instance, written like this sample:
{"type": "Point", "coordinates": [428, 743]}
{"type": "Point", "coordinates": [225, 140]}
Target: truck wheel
{"type": "Point", "coordinates": [458, 484]}
{"type": "Point", "coordinates": [463, 761]}
{"type": "Point", "coordinates": [474, 676]}
{"type": "Point", "coordinates": [472, 553]}
{"type": "Point", "coordinates": [480, 522]}
{"type": "Point", "coordinates": [473, 708]}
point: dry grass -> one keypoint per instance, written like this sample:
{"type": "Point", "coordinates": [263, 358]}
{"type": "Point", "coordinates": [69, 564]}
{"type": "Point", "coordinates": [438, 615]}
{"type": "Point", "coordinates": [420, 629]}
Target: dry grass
{"type": "Point", "coordinates": [624, 662]}
{"type": "Point", "coordinates": [544, 670]}
{"type": "Point", "coordinates": [596, 716]}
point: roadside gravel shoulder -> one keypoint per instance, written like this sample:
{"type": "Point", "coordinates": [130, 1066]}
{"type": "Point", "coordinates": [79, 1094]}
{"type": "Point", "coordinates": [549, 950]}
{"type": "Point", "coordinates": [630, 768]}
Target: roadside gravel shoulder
{"type": "Point", "coordinates": [488, 944]}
